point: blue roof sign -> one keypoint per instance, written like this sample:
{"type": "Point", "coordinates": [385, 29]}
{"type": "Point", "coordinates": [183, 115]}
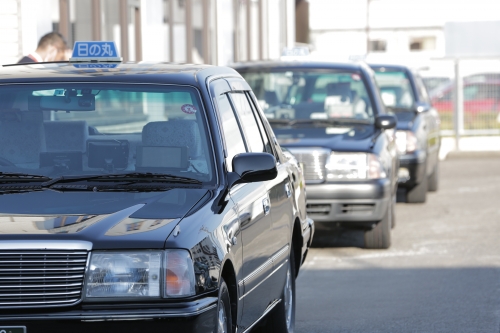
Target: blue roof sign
{"type": "Point", "coordinates": [95, 52]}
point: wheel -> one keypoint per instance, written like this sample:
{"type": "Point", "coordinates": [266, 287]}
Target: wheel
{"type": "Point", "coordinates": [433, 184]}
{"type": "Point", "coordinates": [418, 194]}
{"type": "Point", "coordinates": [393, 213]}
{"type": "Point", "coordinates": [282, 317]}
{"type": "Point", "coordinates": [224, 319]}
{"type": "Point", "coordinates": [379, 237]}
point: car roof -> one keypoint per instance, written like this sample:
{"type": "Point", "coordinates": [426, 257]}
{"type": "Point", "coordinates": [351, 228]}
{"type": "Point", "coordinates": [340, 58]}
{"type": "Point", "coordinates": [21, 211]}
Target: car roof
{"type": "Point", "coordinates": [130, 72]}
{"type": "Point", "coordinates": [306, 63]}
{"type": "Point", "coordinates": [391, 67]}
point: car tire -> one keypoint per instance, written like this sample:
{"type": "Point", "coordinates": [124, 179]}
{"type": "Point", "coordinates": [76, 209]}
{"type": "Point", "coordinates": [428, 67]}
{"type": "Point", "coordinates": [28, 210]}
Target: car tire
{"type": "Point", "coordinates": [393, 216]}
{"type": "Point", "coordinates": [379, 237]}
{"type": "Point", "coordinates": [434, 179]}
{"type": "Point", "coordinates": [282, 317]}
{"type": "Point", "coordinates": [224, 319]}
{"type": "Point", "coordinates": [418, 194]}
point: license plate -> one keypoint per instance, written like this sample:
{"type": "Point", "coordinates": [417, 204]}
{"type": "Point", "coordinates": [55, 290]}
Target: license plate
{"type": "Point", "coordinates": [12, 329]}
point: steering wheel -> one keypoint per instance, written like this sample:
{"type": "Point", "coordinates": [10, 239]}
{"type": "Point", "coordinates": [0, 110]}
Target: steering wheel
{"type": "Point", "coordinates": [6, 162]}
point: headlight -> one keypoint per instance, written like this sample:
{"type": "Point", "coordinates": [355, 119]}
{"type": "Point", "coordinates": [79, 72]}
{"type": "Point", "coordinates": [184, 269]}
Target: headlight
{"type": "Point", "coordinates": [353, 166]}
{"type": "Point", "coordinates": [406, 142]}
{"type": "Point", "coordinates": [139, 274]}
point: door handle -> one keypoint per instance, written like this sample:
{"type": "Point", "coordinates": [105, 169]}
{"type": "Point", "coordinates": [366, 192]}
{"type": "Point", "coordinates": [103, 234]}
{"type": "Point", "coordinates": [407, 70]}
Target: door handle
{"type": "Point", "coordinates": [288, 191]}
{"type": "Point", "coordinates": [266, 205]}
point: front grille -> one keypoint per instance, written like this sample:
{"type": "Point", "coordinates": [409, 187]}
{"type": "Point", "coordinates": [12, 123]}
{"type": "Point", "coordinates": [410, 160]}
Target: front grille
{"type": "Point", "coordinates": [41, 278]}
{"type": "Point", "coordinates": [313, 161]}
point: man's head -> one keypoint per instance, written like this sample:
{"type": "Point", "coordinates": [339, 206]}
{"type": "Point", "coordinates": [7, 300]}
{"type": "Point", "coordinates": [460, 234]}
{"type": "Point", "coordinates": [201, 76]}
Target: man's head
{"type": "Point", "coordinates": [50, 46]}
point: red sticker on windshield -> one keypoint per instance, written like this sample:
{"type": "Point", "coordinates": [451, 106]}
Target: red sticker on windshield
{"type": "Point", "coordinates": [356, 77]}
{"type": "Point", "coordinates": [188, 108]}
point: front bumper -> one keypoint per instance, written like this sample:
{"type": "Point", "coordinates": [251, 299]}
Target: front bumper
{"type": "Point", "coordinates": [356, 201]}
{"type": "Point", "coordinates": [411, 169]}
{"type": "Point", "coordinates": [307, 237]}
{"type": "Point", "coordinates": [196, 316]}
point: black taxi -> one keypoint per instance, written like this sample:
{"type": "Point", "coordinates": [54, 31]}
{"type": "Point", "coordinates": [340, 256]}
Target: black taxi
{"type": "Point", "coordinates": [331, 117]}
{"type": "Point", "coordinates": [144, 197]}
{"type": "Point", "coordinates": [417, 136]}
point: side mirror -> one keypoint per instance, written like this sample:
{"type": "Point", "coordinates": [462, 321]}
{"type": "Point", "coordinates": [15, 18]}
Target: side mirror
{"type": "Point", "coordinates": [385, 121]}
{"type": "Point", "coordinates": [252, 167]}
{"type": "Point", "coordinates": [422, 107]}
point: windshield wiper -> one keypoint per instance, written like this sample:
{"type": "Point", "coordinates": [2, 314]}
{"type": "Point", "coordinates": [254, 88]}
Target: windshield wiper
{"type": "Point", "coordinates": [398, 109]}
{"type": "Point", "coordinates": [131, 177]}
{"type": "Point", "coordinates": [324, 122]}
{"type": "Point", "coordinates": [21, 177]}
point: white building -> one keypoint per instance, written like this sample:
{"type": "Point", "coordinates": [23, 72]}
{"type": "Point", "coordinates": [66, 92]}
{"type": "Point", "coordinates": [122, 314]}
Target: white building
{"type": "Point", "coordinates": [199, 31]}
{"type": "Point", "coordinates": [409, 31]}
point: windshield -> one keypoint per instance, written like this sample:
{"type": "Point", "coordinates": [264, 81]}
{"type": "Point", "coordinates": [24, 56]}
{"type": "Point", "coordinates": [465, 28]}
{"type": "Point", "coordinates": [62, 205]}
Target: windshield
{"type": "Point", "coordinates": [311, 94]}
{"type": "Point", "coordinates": [61, 129]}
{"type": "Point", "coordinates": [395, 89]}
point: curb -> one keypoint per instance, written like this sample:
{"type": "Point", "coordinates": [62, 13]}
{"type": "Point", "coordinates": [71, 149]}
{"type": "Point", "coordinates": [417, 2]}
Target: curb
{"type": "Point", "coordinates": [472, 154]}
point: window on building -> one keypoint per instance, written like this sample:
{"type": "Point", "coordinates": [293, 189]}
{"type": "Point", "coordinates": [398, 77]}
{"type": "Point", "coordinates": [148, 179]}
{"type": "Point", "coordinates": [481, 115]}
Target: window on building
{"type": "Point", "coordinates": [423, 43]}
{"type": "Point", "coordinates": [378, 45]}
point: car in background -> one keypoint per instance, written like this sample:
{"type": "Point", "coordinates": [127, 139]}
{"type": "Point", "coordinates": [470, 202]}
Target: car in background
{"type": "Point", "coordinates": [144, 197]}
{"type": "Point", "coordinates": [480, 96]}
{"type": "Point", "coordinates": [331, 118]}
{"type": "Point", "coordinates": [417, 132]}
{"type": "Point", "coordinates": [432, 82]}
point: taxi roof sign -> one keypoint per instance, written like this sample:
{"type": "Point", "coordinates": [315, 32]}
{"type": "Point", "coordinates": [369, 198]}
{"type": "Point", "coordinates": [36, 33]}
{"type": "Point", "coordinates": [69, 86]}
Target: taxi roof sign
{"type": "Point", "coordinates": [95, 52]}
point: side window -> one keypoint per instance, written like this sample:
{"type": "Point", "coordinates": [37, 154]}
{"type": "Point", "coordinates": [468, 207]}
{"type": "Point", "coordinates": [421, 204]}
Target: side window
{"type": "Point", "coordinates": [250, 126]}
{"type": "Point", "coordinates": [422, 90]}
{"type": "Point", "coordinates": [277, 148]}
{"type": "Point", "coordinates": [265, 138]}
{"type": "Point", "coordinates": [232, 134]}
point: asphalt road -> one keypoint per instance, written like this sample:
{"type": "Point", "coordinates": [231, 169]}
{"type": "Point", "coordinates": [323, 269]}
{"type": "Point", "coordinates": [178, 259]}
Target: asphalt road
{"type": "Point", "coordinates": [442, 273]}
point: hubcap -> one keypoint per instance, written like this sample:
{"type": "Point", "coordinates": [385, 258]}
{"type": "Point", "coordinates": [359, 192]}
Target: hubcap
{"type": "Point", "coordinates": [222, 320]}
{"type": "Point", "coordinates": [288, 299]}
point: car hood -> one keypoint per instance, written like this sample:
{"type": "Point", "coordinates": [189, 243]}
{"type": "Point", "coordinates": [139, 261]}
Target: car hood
{"type": "Point", "coordinates": [338, 138]}
{"type": "Point", "coordinates": [109, 220]}
{"type": "Point", "coordinates": [405, 119]}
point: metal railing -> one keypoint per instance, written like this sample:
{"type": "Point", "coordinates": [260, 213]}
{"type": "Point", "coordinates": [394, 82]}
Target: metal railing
{"type": "Point", "coordinates": [467, 96]}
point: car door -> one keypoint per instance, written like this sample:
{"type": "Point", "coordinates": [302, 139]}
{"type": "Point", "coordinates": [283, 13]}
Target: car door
{"type": "Point", "coordinates": [281, 194]}
{"type": "Point", "coordinates": [255, 208]}
{"type": "Point", "coordinates": [432, 126]}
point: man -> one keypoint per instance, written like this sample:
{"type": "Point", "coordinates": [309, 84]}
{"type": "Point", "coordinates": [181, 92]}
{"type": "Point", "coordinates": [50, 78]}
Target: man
{"type": "Point", "coordinates": [51, 47]}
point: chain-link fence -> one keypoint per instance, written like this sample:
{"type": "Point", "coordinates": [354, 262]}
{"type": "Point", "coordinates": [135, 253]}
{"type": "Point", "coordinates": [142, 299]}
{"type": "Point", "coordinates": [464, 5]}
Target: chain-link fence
{"type": "Point", "coordinates": [469, 106]}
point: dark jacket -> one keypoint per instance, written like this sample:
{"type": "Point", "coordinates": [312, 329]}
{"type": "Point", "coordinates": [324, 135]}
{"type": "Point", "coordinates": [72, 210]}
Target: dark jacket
{"type": "Point", "coordinates": [26, 60]}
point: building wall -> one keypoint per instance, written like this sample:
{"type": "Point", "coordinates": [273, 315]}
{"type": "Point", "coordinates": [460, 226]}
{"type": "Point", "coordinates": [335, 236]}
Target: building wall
{"type": "Point", "coordinates": [408, 28]}
{"type": "Point", "coordinates": [227, 34]}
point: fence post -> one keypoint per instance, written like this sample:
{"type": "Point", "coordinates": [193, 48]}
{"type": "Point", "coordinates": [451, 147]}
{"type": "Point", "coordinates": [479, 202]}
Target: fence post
{"type": "Point", "coordinates": [458, 105]}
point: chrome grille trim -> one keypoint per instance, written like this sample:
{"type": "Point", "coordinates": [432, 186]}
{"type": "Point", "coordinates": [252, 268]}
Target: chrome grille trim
{"type": "Point", "coordinates": [39, 279]}
{"type": "Point", "coordinates": [11, 245]}
{"type": "Point", "coordinates": [314, 160]}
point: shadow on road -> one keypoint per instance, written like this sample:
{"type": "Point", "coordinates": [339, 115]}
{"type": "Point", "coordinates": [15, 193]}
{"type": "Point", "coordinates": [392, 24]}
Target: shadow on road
{"type": "Point", "coordinates": [398, 300]}
{"type": "Point", "coordinates": [325, 236]}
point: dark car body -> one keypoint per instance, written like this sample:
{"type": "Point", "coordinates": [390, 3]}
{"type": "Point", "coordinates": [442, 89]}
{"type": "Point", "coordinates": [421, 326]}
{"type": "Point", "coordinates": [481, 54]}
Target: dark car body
{"type": "Point", "coordinates": [359, 203]}
{"type": "Point", "coordinates": [240, 230]}
{"type": "Point", "coordinates": [420, 165]}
